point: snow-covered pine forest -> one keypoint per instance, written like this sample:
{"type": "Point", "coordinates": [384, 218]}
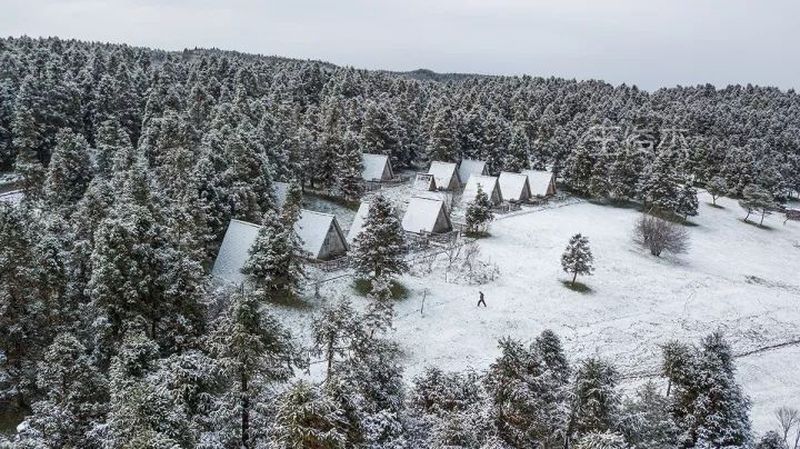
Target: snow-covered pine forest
{"type": "Point", "coordinates": [128, 164]}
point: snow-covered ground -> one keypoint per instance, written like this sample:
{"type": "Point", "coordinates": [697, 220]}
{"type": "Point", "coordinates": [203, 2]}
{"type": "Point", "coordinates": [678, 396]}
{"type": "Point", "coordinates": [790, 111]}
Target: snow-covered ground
{"type": "Point", "coordinates": [737, 278]}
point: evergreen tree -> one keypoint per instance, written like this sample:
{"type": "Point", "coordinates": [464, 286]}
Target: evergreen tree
{"type": "Point", "coordinates": [74, 398]}
{"type": "Point", "coordinates": [757, 199]}
{"type": "Point", "coordinates": [709, 406]}
{"type": "Point", "coordinates": [305, 419]}
{"type": "Point", "coordinates": [255, 352]}
{"type": "Point", "coordinates": [275, 262]}
{"type": "Point", "coordinates": [517, 154]}
{"type": "Point", "coordinates": [577, 258]}
{"type": "Point", "coordinates": [335, 330]}
{"type": "Point", "coordinates": [687, 203]}
{"type": "Point", "coordinates": [442, 140]}
{"type": "Point", "coordinates": [578, 170]}
{"type": "Point", "coordinates": [717, 187]}
{"type": "Point", "coordinates": [379, 249]}
{"type": "Point", "coordinates": [647, 422]}
{"type": "Point", "coordinates": [659, 187]}
{"type": "Point", "coordinates": [595, 401]}
{"type": "Point", "coordinates": [69, 172]}
{"type": "Point", "coordinates": [349, 180]}
{"type": "Point", "coordinates": [479, 213]}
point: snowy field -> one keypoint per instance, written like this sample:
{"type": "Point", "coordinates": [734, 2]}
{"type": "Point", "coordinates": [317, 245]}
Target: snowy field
{"type": "Point", "coordinates": [736, 278]}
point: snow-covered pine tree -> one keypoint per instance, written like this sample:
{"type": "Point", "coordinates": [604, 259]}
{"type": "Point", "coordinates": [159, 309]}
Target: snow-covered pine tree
{"type": "Point", "coordinates": [577, 170]}
{"type": "Point", "coordinates": [255, 352]}
{"type": "Point", "coordinates": [349, 168]}
{"type": "Point", "coordinates": [275, 263]}
{"type": "Point", "coordinates": [69, 172]}
{"type": "Point", "coordinates": [709, 406]}
{"type": "Point", "coordinates": [577, 257]}
{"type": "Point", "coordinates": [479, 214]}
{"type": "Point", "coordinates": [442, 139]}
{"type": "Point", "coordinates": [757, 199]}
{"type": "Point", "coordinates": [306, 418]}
{"type": "Point", "coordinates": [717, 187]}
{"type": "Point", "coordinates": [646, 420]}
{"type": "Point", "coordinates": [686, 204]}
{"type": "Point", "coordinates": [595, 400]}
{"type": "Point", "coordinates": [659, 187]}
{"type": "Point", "coordinates": [379, 249]}
{"type": "Point", "coordinates": [74, 395]}
{"type": "Point", "coordinates": [624, 172]}
{"type": "Point", "coordinates": [334, 330]}
{"type": "Point", "coordinates": [516, 156]}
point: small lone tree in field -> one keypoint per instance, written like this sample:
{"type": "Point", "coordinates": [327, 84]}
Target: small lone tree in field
{"type": "Point", "coordinates": [717, 187]}
{"type": "Point", "coordinates": [659, 235]}
{"type": "Point", "coordinates": [577, 258]}
{"type": "Point", "coordinates": [479, 213]}
{"type": "Point", "coordinates": [757, 199]}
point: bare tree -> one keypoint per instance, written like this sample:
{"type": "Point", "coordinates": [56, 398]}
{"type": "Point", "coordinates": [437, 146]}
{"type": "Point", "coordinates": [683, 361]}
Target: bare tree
{"type": "Point", "coordinates": [660, 235]}
{"type": "Point", "coordinates": [789, 420]}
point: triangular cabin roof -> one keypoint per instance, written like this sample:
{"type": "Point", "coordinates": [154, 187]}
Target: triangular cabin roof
{"type": "Point", "coordinates": [280, 190]}
{"type": "Point", "coordinates": [469, 167]}
{"type": "Point", "coordinates": [488, 184]}
{"type": "Point", "coordinates": [376, 167]}
{"type": "Point", "coordinates": [358, 221]}
{"type": "Point", "coordinates": [514, 186]}
{"type": "Point", "coordinates": [426, 215]}
{"type": "Point", "coordinates": [445, 174]}
{"type": "Point", "coordinates": [234, 251]}
{"type": "Point", "coordinates": [425, 182]}
{"type": "Point", "coordinates": [541, 182]}
{"type": "Point", "coordinates": [321, 235]}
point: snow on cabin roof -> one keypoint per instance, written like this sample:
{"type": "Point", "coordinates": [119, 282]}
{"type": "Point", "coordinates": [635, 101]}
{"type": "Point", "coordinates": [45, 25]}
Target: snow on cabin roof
{"type": "Point", "coordinates": [469, 167]}
{"type": "Point", "coordinates": [513, 185]}
{"type": "Point", "coordinates": [312, 227]}
{"type": "Point", "coordinates": [374, 166]}
{"type": "Point", "coordinates": [424, 181]}
{"type": "Point", "coordinates": [358, 221]}
{"type": "Point", "coordinates": [539, 181]}
{"type": "Point", "coordinates": [234, 251]}
{"type": "Point", "coordinates": [443, 172]}
{"type": "Point", "coordinates": [487, 183]}
{"type": "Point", "coordinates": [422, 214]}
{"type": "Point", "coordinates": [280, 190]}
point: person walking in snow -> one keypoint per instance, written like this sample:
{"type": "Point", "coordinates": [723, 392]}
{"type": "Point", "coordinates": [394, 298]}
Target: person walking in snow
{"type": "Point", "coordinates": [481, 301]}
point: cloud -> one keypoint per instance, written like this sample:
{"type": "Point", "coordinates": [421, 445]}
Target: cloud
{"type": "Point", "coordinates": [651, 43]}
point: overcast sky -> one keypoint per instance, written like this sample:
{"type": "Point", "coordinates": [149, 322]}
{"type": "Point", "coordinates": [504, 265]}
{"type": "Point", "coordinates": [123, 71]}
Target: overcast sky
{"type": "Point", "coordinates": [651, 43]}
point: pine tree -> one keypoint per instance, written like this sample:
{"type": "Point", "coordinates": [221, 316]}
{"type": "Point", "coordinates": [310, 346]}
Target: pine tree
{"type": "Point", "coordinates": [595, 400]}
{"type": "Point", "coordinates": [709, 406]}
{"type": "Point", "coordinates": [24, 310]}
{"type": "Point", "coordinates": [379, 249]}
{"type": "Point", "coordinates": [757, 199]}
{"type": "Point", "coordinates": [349, 181]}
{"type": "Point", "coordinates": [659, 187]}
{"type": "Point", "coordinates": [255, 352]}
{"type": "Point", "coordinates": [717, 187]}
{"type": "Point", "coordinates": [74, 398]}
{"type": "Point", "coordinates": [334, 331]}
{"type": "Point", "coordinates": [687, 203]}
{"type": "Point", "coordinates": [516, 156]}
{"type": "Point", "coordinates": [646, 420]}
{"type": "Point", "coordinates": [305, 419]}
{"type": "Point", "coordinates": [275, 263]}
{"type": "Point", "coordinates": [110, 140]}
{"type": "Point", "coordinates": [69, 172]}
{"type": "Point", "coordinates": [578, 170]}
{"type": "Point", "coordinates": [577, 258]}
{"type": "Point", "coordinates": [479, 214]}
{"type": "Point", "coordinates": [442, 140]}
{"type": "Point", "coordinates": [624, 172]}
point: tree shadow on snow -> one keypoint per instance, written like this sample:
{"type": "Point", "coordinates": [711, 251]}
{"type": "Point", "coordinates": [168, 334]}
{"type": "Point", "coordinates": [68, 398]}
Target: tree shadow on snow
{"type": "Point", "coordinates": [755, 224]}
{"type": "Point", "coordinates": [577, 286]}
